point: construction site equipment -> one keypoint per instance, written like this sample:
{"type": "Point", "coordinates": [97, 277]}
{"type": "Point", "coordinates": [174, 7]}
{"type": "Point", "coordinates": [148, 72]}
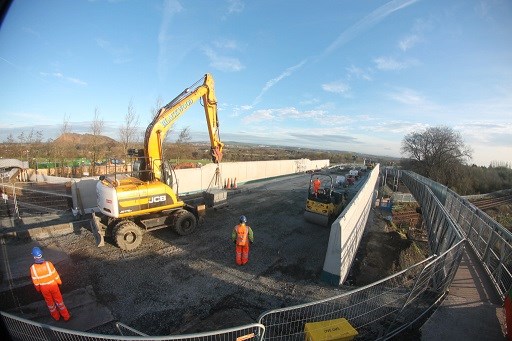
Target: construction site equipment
{"type": "Point", "coordinates": [325, 205]}
{"type": "Point", "coordinates": [132, 204]}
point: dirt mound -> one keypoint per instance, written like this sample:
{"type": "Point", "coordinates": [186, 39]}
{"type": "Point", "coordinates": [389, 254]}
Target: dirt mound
{"type": "Point", "coordinates": [84, 139]}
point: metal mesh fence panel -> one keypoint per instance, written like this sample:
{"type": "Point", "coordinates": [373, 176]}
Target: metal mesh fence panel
{"type": "Point", "coordinates": [375, 311]}
{"type": "Point", "coordinates": [491, 241]}
{"type": "Point", "coordinates": [25, 330]}
{"type": "Point", "coordinates": [36, 198]}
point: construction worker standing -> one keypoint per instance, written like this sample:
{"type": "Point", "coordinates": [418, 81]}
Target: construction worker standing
{"type": "Point", "coordinates": [242, 236]}
{"type": "Point", "coordinates": [46, 280]}
{"type": "Point", "coordinates": [316, 185]}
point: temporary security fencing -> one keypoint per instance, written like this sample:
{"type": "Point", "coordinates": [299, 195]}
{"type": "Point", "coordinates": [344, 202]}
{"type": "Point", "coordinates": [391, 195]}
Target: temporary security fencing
{"type": "Point", "coordinates": [26, 198]}
{"type": "Point", "coordinates": [378, 311]}
{"type": "Point", "coordinates": [491, 242]}
{"type": "Point", "coordinates": [22, 329]}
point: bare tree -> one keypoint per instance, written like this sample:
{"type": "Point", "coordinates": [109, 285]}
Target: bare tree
{"type": "Point", "coordinates": [63, 149]}
{"type": "Point", "coordinates": [21, 137]}
{"type": "Point", "coordinates": [97, 126]}
{"type": "Point", "coordinates": [66, 126]}
{"type": "Point", "coordinates": [182, 143]}
{"type": "Point", "coordinates": [437, 153]}
{"type": "Point", "coordinates": [156, 108]}
{"type": "Point", "coordinates": [128, 131]}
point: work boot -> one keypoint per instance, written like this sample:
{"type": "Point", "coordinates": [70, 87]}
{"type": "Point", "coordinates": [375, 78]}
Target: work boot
{"type": "Point", "coordinates": [55, 315]}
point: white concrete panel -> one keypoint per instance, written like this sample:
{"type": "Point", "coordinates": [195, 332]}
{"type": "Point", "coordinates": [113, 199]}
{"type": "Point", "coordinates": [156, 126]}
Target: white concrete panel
{"type": "Point", "coordinates": [347, 231]}
{"type": "Point", "coordinates": [195, 180]}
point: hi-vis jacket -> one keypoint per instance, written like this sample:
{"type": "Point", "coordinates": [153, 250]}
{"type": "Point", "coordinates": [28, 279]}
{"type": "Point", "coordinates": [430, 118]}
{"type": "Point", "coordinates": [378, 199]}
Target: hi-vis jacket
{"type": "Point", "coordinates": [44, 274]}
{"type": "Point", "coordinates": [241, 233]}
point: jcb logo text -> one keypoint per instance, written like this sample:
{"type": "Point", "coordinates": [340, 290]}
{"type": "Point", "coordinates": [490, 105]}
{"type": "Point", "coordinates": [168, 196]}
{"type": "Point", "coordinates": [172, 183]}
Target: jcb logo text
{"type": "Point", "coordinates": [159, 198]}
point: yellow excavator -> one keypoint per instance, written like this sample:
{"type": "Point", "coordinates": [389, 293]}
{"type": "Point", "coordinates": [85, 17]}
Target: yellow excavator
{"type": "Point", "coordinates": [130, 205]}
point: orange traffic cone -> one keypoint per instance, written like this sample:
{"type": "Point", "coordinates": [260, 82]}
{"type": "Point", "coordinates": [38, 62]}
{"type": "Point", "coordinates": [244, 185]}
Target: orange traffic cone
{"type": "Point", "coordinates": [229, 183]}
{"type": "Point", "coordinates": [234, 184]}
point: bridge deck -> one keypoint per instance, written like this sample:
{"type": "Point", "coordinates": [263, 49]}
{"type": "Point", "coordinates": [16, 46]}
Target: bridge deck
{"type": "Point", "coordinates": [471, 311]}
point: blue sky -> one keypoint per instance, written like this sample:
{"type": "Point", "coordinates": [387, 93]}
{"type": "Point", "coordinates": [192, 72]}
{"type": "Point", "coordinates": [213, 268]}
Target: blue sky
{"type": "Point", "coordinates": [339, 75]}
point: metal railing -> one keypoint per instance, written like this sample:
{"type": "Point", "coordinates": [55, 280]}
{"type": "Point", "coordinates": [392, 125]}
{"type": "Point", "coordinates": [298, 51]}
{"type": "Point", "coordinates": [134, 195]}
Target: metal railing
{"type": "Point", "coordinates": [491, 242]}
{"type": "Point", "coordinates": [378, 311]}
{"type": "Point", "coordinates": [23, 329]}
{"type": "Point", "coordinates": [35, 198]}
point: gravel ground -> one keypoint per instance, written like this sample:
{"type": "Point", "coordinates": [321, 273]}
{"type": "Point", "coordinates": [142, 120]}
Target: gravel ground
{"type": "Point", "coordinates": [177, 284]}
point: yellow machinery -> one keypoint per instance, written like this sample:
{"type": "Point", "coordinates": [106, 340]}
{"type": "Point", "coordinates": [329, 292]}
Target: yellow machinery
{"type": "Point", "coordinates": [326, 204]}
{"type": "Point", "coordinates": [132, 205]}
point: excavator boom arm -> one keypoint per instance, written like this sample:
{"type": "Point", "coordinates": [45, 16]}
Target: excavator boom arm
{"type": "Point", "coordinates": [169, 114]}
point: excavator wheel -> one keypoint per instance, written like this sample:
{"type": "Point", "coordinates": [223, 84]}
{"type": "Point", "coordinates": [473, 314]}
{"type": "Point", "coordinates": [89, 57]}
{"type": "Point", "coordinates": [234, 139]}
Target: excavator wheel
{"type": "Point", "coordinates": [127, 235]}
{"type": "Point", "coordinates": [184, 222]}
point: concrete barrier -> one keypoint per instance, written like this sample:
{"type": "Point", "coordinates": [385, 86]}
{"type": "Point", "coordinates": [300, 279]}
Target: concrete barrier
{"type": "Point", "coordinates": [195, 180]}
{"type": "Point", "coordinates": [347, 231]}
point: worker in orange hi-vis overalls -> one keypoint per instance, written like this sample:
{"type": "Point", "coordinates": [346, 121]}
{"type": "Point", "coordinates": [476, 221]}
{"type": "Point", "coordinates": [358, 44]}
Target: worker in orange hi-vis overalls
{"type": "Point", "coordinates": [316, 186]}
{"type": "Point", "coordinates": [46, 279]}
{"type": "Point", "coordinates": [242, 236]}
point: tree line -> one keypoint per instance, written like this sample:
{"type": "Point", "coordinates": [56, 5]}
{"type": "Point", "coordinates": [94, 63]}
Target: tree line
{"type": "Point", "coordinates": [440, 153]}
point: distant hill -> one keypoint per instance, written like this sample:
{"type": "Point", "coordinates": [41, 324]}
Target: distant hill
{"type": "Point", "coordinates": [84, 139]}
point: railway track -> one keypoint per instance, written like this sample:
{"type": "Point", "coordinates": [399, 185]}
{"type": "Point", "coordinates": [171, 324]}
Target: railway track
{"type": "Point", "coordinates": [409, 218]}
{"type": "Point", "coordinates": [486, 203]}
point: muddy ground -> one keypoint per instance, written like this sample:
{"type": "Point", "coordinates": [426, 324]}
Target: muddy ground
{"type": "Point", "coordinates": [177, 284]}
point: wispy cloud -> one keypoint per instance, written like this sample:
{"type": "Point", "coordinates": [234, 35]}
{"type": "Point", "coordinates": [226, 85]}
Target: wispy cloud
{"type": "Point", "coordinates": [283, 113]}
{"type": "Point", "coordinates": [31, 31]}
{"type": "Point", "coordinates": [416, 35]}
{"type": "Point", "coordinates": [495, 133]}
{"type": "Point", "coordinates": [407, 96]}
{"type": "Point", "coordinates": [408, 42]}
{"type": "Point", "coordinates": [309, 101]}
{"type": "Point", "coordinates": [286, 73]}
{"type": "Point", "coordinates": [60, 76]}
{"type": "Point", "coordinates": [223, 63]}
{"type": "Point", "coordinates": [338, 87]}
{"type": "Point", "coordinates": [354, 71]}
{"type": "Point", "coordinates": [38, 122]}
{"type": "Point", "coordinates": [228, 44]}
{"type": "Point", "coordinates": [364, 24]}
{"type": "Point", "coordinates": [220, 61]}
{"type": "Point", "coordinates": [235, 6]}
{"type": "Point", "coordinates": [396, 127]}
{"type": "Point", "coordinates": [170, 8]}
{"type": "Point", "coordinates": [119, 55]}
{"type": "Point", "coordinates": [368, 22]}
{"type": "Point", "coordinates": [391, 64]}
{"type": "Point", "coordinates": [8, 62]}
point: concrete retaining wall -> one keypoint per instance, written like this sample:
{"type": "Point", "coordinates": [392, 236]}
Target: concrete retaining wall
{"type": "Point", "coordinates": [346, 232]}
{"type": "Point", "coordinates": [195, 180]}
{"type": "Point", "coordinates": [200, 179]}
